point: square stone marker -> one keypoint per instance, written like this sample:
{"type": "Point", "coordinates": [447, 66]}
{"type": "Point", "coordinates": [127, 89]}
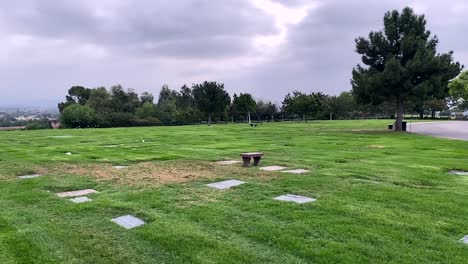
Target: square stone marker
{"type": "Point", "coordinates": [120, 167]}
{"type": "Point", "coordinates": [273, 168]}
{"type": "Point", "coordinates": [228, 162]}
{"type": "Point", "coordinates": [76, 193]}
{"type": "Point", "coordinates": [295, 198]}
{"type": "Point", "coordinates": [464, 240]}
{"type": "Point", "coordinates": [462, 173]}
{"type": "Point", "coordinates": [298, 171]}
{"type": "Point", "coordinates": [82, 199]}
{"type": "Point", "coordinates": [29, 176]}
{"type": "Point", "coordinates": [225, 184]}
{"type": "Point", "coordinates": [128, 221]}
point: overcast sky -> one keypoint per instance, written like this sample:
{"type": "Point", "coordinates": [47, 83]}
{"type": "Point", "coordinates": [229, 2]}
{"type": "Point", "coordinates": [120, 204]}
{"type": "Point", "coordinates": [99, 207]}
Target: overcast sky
{"type": "Point", "coordinates": [264, 47]}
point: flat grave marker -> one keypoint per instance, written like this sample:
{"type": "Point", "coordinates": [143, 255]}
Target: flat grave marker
{"type": "Point", "coordinates": [64, 136]}
{"type": "Point", "coordinates": [118, 167]}
{"type": "Point", "coordinates": [128, 221]}
{"type": "Point", "coordinates": [32, 176]}
{"type": "Point", "coordinates": [298, 171]}
{"type": "Point", "coordinates": [76, 193]}
{"type": "Point", "coordinates": [225, 184]}
{"type": "Point", "coordinates": [110, 146]}
{"type": "Point", "coordinates": [273, 168]}
{"type": "Point", "coordinates": [82, 199]}
{"type": "Point", "coordinates": [464, 240]}
{"type": "Point", "coordinates": [459, 172]}
{"type": "Point", "coordinates": [295, 198]}
{"type": "Point", "coordinates": [228, 162]}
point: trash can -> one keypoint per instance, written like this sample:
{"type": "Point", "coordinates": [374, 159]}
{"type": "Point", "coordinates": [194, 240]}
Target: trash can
{"type": "Point", "coordinates": [403, 126]}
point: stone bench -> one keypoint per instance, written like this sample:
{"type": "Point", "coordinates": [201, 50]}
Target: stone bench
{"type": "Point", "coordinates": [246, 157]}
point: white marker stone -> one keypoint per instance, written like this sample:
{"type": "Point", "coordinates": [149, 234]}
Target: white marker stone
{"type": "Point", "coordinates": [128, 221]}
{"type": "Point", "coordinates": [110, 146]}
{"type": "Point", "coordinates": [295, 198]}
{"type": "Point", "coordinates": [68, 153]}
{"type": "Point", "coordinates": [298, 171]}
{"type": "Point", "coordinates": [119, 167]}
{"type": "Point", "coordinates": [462, 173]}
{"type": "Point", "coordinates": [64, 136]}
{"type": "Point", "coordinates": [273, 168]}
{"type": "Point", "coordinates": [464, 240]}
{"type": "Point", "coordinates": [76, 193]}
{"type": "Point", "coordinates": [29, 176]}
{"type": "Point", "coordinates": [225, 184]}
{"type": "Point", "coordinates": [82, 199]}
{"type": "Point", "coordinates": [228, 162]}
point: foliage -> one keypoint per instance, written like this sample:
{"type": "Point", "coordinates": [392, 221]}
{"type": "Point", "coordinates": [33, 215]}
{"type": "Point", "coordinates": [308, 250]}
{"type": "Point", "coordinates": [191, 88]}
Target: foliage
{"type": "Point", "coordinates": [459, 91]}
{"type": "Point", "coordinates": [402, 64]}
{"type": "Point", "coordinates": [211, 98]}
{"type": "Point", "coordinates": [266, 110]}
{"type": "Point", "coordinates": [76, 95]}
{"type": "Point", "coordinates": [305, 105]}
{"type": "Point", "coordinates": [244, 104]}
{"type": "Point", "coordinates": [39, 124]}
{"type": "Point", "coordinates": [341, 107]}
{"type": "Point", "coordinates": [77, 116]}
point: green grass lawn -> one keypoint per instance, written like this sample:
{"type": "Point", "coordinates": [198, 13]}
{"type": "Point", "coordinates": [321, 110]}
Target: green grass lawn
{"type": "Point", "coordinates": [381, 196]}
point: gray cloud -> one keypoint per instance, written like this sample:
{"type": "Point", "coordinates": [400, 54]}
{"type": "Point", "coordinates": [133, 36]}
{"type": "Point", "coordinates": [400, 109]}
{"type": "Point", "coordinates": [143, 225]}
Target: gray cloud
{"type": "Point", "coordinates": [50, 45]}
{"type": "Point", "coordinates": [320, 52]}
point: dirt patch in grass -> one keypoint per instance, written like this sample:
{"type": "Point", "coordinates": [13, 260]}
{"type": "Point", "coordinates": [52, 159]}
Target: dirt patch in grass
{"type": "Point", "coordinates": [158, 173]}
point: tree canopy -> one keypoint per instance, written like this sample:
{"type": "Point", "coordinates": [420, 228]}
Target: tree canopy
{"type": "Point", "coordinates": [459, 91]}
{"type": "Point", "coordinates": [402, 64]}
{"type": "Point", "coordinates": [244, 104]}
{"type": "Point", "coordinates": [305, 105]}
{"type": "Point", "coordinates": [211, 98]}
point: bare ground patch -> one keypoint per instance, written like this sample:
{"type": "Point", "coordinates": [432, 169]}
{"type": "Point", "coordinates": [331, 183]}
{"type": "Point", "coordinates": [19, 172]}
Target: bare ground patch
{"type": "Point", "coordinates": [157, 173]}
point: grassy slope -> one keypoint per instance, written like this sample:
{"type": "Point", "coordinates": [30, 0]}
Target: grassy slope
{"type": "Point", "coordinates": [382, 197]}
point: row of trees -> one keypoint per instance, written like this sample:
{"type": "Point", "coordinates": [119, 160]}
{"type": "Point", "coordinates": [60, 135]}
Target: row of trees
{"type": "Point", "coordinates": [117, 107]}
{"type": "Point", "coordinates": [99, 107]}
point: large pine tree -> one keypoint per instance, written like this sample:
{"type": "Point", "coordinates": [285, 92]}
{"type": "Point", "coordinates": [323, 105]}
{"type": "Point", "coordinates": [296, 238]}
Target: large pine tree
{"type": "Point", "coordinates": [402, 64]}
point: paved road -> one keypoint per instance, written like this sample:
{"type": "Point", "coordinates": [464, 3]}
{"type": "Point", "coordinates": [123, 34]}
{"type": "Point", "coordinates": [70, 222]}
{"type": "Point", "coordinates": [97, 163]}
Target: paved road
{"type": "Point", "coordinates": [448, 129]}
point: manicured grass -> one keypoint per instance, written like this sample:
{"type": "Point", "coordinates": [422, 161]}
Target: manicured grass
{"type": "Point", "coordinates": [381, 196]}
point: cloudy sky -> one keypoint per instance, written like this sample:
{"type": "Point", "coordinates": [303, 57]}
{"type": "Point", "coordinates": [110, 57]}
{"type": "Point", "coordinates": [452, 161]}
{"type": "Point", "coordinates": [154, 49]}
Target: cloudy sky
{"type": "Point", "coordinates": [265, 47]}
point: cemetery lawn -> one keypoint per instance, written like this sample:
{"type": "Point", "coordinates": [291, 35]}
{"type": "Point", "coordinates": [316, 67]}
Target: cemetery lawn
{"type": "Point", "coordinates": [382, 197]}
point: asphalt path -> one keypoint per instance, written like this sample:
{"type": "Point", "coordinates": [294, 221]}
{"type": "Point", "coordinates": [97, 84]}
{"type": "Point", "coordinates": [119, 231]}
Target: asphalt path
{"type": "Point", "coordinates": [447, 129]}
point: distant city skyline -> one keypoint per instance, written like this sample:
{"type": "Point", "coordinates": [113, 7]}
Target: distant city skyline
{"type": "Point", "coordinates": [264, 47]}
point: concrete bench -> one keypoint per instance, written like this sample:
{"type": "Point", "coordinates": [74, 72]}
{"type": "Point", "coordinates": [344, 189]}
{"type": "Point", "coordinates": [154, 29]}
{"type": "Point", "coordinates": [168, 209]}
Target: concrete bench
{"type": "Point", "coordinates": [246, 157]}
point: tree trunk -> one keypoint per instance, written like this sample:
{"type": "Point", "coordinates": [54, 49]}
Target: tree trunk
{"type": "Point", "coordinates": [421, 114]}
{"type": "Point", "coordinates": [399, 119]}
{"type": "Point", "coordinates": [331, 116]}
{"type": "Point", "coordinates": [209, 119]}
{"type": "Point", "coordinates": [433, 112]}
{"type": "Point", "coordinates": [248, 118]}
